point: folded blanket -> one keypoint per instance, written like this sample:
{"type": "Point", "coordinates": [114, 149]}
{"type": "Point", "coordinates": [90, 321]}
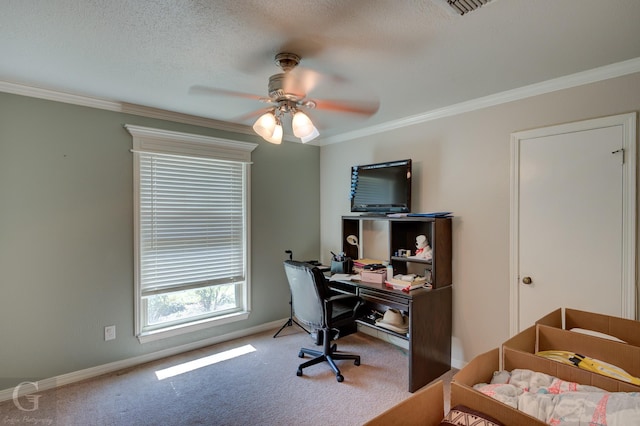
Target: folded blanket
{"type": "Point", "coordinates": [558, 402]}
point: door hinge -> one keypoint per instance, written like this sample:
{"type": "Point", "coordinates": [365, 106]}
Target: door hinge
{"type": "Point", "coordinates": [619, 150]}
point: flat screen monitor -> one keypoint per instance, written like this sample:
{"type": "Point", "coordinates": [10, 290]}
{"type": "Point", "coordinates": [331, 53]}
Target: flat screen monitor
{"type": "Point", "coordinates": [381, 188]}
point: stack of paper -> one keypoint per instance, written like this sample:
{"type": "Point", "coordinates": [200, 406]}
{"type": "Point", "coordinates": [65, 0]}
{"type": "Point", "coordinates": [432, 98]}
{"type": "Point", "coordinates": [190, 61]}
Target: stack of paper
{"type": "Point", "coordinates": [403, 284]}
{"type": "Point", "coordinates": [363, 262]}
{"type": "Point", "coordinates": [359, 264]}
{"type": "Point", "coordinates": [344, 277]}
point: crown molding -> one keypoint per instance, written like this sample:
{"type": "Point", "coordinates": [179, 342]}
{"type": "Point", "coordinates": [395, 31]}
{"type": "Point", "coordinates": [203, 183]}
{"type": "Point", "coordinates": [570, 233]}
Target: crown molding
{"type": "Point", "coordinates": [124, 107]}
{"type": "Point", "coordinates": [606, 72]}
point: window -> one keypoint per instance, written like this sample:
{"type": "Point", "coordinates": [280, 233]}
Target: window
{"type": "Point", "coordinates": [191, 196]}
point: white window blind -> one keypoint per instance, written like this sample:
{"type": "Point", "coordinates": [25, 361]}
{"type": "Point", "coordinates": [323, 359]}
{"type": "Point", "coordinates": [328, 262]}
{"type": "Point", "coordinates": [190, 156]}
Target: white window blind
{"type": "Point", "coordinates": [191, 222]}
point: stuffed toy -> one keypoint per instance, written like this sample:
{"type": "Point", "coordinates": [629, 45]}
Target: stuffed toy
{"type": "Point", "coordinates": [423, 251]}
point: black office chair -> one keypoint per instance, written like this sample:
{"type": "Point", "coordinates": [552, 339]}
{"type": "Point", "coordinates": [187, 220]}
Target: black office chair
{"type": "Point", "coordinates": [315, 306]}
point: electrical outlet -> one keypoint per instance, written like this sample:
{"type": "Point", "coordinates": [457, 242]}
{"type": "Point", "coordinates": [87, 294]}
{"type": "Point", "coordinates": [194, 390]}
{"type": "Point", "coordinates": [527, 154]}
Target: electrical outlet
{"type": "Point", "coordinates": [110, 332]}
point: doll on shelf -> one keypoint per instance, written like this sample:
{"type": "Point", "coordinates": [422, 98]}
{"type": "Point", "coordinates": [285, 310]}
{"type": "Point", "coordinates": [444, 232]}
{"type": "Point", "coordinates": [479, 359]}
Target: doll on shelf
{"type": "Point", "coordinates": [423, 250]}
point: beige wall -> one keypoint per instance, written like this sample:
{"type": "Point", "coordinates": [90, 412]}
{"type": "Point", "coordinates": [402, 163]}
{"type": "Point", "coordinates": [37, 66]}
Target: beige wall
{"type": "Point", "coordinates": [461, 164]}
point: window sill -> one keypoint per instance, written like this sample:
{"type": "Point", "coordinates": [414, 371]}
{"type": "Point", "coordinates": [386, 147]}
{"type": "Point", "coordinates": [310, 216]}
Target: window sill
{"type": "Point", "coordinates": [177, 330]}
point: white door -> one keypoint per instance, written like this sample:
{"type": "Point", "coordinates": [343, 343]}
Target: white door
{"type": "Point", "coordinates": [570, 219]}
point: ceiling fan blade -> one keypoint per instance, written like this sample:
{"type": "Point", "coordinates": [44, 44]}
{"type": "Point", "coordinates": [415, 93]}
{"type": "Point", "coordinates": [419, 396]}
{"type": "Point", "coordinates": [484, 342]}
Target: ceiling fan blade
{"type": "Point", "coordinates": [253, 115]}
{"type": "Point", "coordinates": [365, 108]}
{"type": "Point", "coordinates": [302, 81]}
{"type": "Point", "coordinates": [204, 90]}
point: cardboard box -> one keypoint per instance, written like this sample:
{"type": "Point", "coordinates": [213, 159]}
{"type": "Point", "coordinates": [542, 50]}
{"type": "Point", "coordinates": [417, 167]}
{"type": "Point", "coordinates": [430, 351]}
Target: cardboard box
{"type": "Point", "coordinates": [424, 407]}
{"type": "Point", "coordinates": [622, 328]}
{"type": "Point", "coordinates": [520, 350]}
{"type": "Point", "coordinates": [480, 370]}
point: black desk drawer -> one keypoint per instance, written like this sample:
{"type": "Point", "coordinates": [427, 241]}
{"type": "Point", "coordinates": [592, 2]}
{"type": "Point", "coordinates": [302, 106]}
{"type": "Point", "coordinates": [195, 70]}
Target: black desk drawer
{"type": "Point", "coordinates": [343, 287]}
{"type": "Point", "coordinates": [384, 298]}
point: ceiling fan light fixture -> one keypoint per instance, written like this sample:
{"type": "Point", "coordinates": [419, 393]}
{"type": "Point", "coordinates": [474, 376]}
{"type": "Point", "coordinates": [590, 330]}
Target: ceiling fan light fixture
{"type": "Point", "coordinates": [314, 134]}
{"type": "Point", "coordinates": [269, 126]}
{"type": "Point", "coordinates": [302, 125]}
{"type": "Point", "coordinates": [265, 125]}
{"type": "Point", "coordinates": [276, 137]}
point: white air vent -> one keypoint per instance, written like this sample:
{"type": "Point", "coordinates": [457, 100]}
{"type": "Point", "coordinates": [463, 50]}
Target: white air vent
{"type": "Point", "coordinates": [466, 6]}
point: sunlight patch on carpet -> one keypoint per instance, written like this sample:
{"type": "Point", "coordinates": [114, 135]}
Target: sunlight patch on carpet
{"type": "Point", "coordinates": [203, 362]}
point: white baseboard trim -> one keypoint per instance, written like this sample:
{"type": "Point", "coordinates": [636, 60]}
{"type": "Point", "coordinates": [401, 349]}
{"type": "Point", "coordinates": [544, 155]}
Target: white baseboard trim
{"type": "Point", "coordinates": [457, 364]}
{"type": "Point", "coordinates": [99, 370]}
{"type": "Point", "coordinates": [88, 373]}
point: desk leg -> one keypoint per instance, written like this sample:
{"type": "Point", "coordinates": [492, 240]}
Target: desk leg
{"type": "Point", "coordinates": [430, 337]}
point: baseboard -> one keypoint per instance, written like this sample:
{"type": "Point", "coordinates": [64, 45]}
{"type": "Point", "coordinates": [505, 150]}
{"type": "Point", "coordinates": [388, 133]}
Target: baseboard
{"type": "Point", "coordinates": [88, 373]}
{"type": "Point", "coordinates": [457, 364]}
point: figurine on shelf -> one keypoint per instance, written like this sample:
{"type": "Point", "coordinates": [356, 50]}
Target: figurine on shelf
{"type": "Point", "coordinates": [423, 250]}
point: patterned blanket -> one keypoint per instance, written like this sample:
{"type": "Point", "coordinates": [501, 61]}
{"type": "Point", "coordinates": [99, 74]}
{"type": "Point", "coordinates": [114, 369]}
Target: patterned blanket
{"type": "Point", "coordinates": [558, 402]}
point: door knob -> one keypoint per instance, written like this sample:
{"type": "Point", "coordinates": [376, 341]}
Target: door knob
{"type": "Point", "coordinates": [526, 280]}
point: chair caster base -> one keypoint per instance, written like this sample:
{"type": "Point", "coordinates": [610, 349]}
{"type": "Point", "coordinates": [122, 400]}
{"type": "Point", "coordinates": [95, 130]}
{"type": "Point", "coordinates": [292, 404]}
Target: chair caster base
{"type": "Point", "coordinates": [329, 354]}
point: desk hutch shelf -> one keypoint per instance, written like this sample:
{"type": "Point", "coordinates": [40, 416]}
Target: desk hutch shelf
{"type": "Point", "coordinates": [402, 233]}
{"type": "Point", "coordinates": [429, 310]}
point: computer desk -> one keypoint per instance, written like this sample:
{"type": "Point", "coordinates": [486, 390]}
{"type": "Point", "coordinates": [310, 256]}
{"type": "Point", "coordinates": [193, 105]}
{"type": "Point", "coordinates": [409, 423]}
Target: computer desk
{"type": "Point", "coordinates": [429, 312]}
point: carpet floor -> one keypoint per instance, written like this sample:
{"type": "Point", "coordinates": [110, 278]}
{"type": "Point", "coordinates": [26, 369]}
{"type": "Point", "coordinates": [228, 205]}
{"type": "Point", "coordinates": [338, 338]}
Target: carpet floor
{"type": "Point", "coordinates": [247, 381]}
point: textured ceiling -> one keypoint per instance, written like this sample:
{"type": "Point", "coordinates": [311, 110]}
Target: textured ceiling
{"type": "Point", "coordinates": [411, 56]}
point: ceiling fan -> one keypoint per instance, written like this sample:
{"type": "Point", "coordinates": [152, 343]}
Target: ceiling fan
{"type": "Point", "coordinates": [287, 95]}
